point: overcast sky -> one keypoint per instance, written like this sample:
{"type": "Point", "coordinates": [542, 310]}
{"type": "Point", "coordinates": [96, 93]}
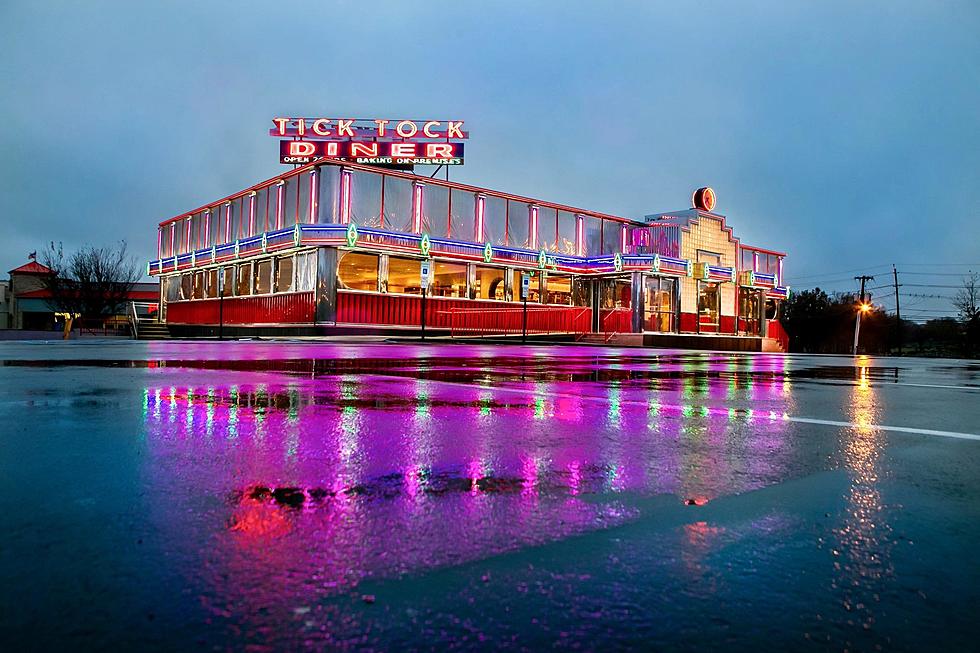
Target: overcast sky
{"type": "Point", "coordinates": [844, 133]}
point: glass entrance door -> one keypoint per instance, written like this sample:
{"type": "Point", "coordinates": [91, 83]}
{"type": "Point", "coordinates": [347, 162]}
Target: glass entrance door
{"type": "Point", "coordinates": [750, 311]}
{"type": "Point", "coordinates": [659, 304]}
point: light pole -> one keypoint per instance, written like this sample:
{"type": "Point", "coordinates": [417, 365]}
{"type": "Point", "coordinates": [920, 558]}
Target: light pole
{"type": "Point", "coordinates": [863, 307]}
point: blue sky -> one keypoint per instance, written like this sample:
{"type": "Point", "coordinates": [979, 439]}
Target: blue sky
{"type": "Point", "coordinates": [843, 133]}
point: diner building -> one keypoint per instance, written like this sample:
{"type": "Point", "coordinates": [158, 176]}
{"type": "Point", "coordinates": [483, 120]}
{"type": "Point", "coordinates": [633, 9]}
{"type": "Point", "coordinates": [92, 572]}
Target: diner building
{"type": "Point", "coordinates": [337, 247]}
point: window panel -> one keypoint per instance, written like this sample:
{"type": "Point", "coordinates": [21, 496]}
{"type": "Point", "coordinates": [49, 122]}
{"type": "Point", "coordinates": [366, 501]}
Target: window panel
{"type": "Point", "coordinates": [289, 202]}
{"type": "Point", "coordinates": [357, 271]}
{"type": "Point", "coordinates": [593, 235]}
{"type": "Point", "coordinates": [173, 289]}
{"type": "Point", "coordinates": [262, 210]}
{"type": "Point", "coordinates": [495, 220]}
{"type": "Point", "coordinates": [547, 229]}
{"type": "Point", "coordinates": [211, 283]}
{"type": "Point", "coordinates": [448, 280]}
{"type": "Point", "coordinates": [283, 281]}
{"type": "Point", "coordinates": [533, 291]}
{"type": "Point", "coordinates": [612, 237]}
{"type": "Point", "coordinates": [398, 205]}
{"type": "Point", "coordinates": [404, 275]}
{"type": "Point", "coordinates": [488, 284]}
{"type": "Point", "coordinates": [558, 289]}
{"type": "Point", "coordinates": [244, 286]}
{"type": "Point", "coordinates": [328, 204]}
{"type": "Point", "coordinates": [304, 180]}
{"type": "Point", "coordinates": [186, 285]}
{"type": "Point", "coordinates": [462, 216]}
{"type": "Point", "coordinates": [518, 224]}
{"type": "Point", "coordinates": [262, 279]}
{"type": "Point", "coordinates": [228, 283]}
{"type": "Point", "coordinates": [365, 199]}
{"type": "Point", "coordinates": [435, 211]}
{"type": "Point", "coordinates": [305, 271]}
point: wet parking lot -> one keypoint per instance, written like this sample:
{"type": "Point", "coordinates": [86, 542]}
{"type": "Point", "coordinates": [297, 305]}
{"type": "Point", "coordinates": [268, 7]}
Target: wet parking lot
{"type": "Point", "coordinates": [391, 496]}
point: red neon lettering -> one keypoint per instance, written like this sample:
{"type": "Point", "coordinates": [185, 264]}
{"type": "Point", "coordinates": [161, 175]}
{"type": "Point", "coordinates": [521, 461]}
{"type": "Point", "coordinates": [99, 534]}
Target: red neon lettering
{"type": "Point", "coordinates": [381, 126]}
{"type": "Point", "coordinates": [438, 150]}
{"type": "Point", "coordinates": [454, 130]}
{"type": "Point", "coordinates": [363, 149]}
{"type": "Point", "coordinates": [301, 148]}
{"type": "Point", "coordinates": [281, 124]}
{"type": "Point", "coordinates": [399, 129]}
{"type": "Point", "coordinates": [320, 127]}
{"type": "Point", "coordinates": [344, 127]}
{"type": "Point", "coordinates": [403, 149]}
{"type": "Point", "coordinates": [333, 149]}
{"type": "Point", "coordinates": [425, 128]}
{"type": "Point", "coordinates": [301, 126]}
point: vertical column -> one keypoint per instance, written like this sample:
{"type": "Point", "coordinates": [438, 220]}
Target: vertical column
{"type": "Point", "coordinates": [579, 235]}
{"type": "Point", "coordinates": [637, 301]}
{"type": "Point", "coordinates": [345, 177]}
{"type": "Point", "coordinates": [480, 208]}
{"type": "Point", "coordinates": [326, 284]}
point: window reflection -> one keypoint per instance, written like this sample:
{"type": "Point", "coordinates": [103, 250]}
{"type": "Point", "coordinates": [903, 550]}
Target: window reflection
{"type": "Point", "coordinates": [284, 274]}
{"type": "Point", "coordinates": [448, 280]}
{"type": "Point", "coordinates": [262, 280]}
{"type": "Point", "coordinates": [357, 271]}
{"type": "Point", "coordinates": [244, 279]}
{"type": "Point", "coordinates": [404, 275]}
{"type": "Point", "coordinates": [488, 284]}
{"type": "Point", "coordinates": [559, 287]}
{"type": "Point", "coordinates": [533, 291]}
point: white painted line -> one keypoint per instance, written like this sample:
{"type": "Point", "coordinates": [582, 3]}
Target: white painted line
{"type": "Point", "coordinates": [884, 427]}
{"type": "Point", "coordinates": [931, 385]}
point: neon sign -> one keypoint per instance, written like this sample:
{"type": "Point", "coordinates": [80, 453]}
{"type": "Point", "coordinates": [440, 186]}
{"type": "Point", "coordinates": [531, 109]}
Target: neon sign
{"type": "Point", "coordinates": [413, 153]}
{"type": "Point", "coordinates": [379, 141]}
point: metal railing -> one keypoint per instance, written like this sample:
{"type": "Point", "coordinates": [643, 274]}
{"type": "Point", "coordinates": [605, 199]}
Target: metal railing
{"type": "Point", "coordinates": [141, 312]}
{"type": "Point", "coordinates": [541, 320]}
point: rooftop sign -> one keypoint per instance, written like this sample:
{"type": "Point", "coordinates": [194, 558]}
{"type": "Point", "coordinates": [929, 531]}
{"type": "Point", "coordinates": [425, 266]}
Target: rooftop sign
{"type": "Point", "coordinates": [370, 141]}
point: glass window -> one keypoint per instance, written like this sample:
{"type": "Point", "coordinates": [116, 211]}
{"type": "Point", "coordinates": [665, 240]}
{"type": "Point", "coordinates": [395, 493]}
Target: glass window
{"type": "Point", "coordinates": [659, 303]}
{"type": "Point", "coordinates": [303, 200]}
{"type": "Point", "coordinates": [494, 220]}
{"type": "Point", "coordinates": [612, 237]}
{"type": "Point", "coordinates": [615, 293]}
{"type": "Point", "coordinates": [228, 283]}
{"type": "Point", "coordinates": [328, 203]}
{"type": "Point", "coordinates": [711, 258]}
{"type": "Point", "coordinates": [593, 236]}
{"type": "Point", "coordinates": [305, 271]}
{"type": "Point", "coordinates": [241, 208]}
{"type": "Point", "coordinates": [181, 236]}
{"type": "Point", "coordinates": [533, 291]}
{"type": "Point", "coordinates": [488, 284]}
{"type": "Point", "coordinates": [211, 283]}
{"type": "Point", "coordinates": [559, 289]}
{"type": "Point", "coordinates": [284, 274]}
{"type": "Point", "coordinates": [357, 271]}
{"type": "Point", "coordinates": [262, 210]}
{"type": "Point", "coordinates": [547, 229]}
{"type": "Point", "coordinates": [448, 280]}
{"type": "Point", "coordinates": [244, 279]}
{"type": "Point", "coordinates": [365, 199]}
{"type": "Point", "coordinates": [196, 231]}
{"type": "Point", "coordinates": [186, 285]}
{"type": "Point", "coordinates": [262, 281]}
{"type": "Point", "coordinates": [708, 302]}
{"type": "Point", "coordinates": [518, 219]}
{"type": "Point", "coordinates": [289, 203]}
{"type": "Point", "coordinates": [435, 211]}
{"type": "Point", "coordinates": [398, 204]}
{"type": "Point", "coordinates": [462, 216]}
{"type": "Point", "coordinates": [746, 259]}
{"type": "Point", "coordinates": [404, 275]}
{"type": "Point", "coordinates": [172, 288]}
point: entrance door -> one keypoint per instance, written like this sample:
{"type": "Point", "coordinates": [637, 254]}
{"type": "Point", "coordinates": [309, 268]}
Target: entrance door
{"type": "Point", "coordinates": [614, 306]}
{"type": "Point", "coordinates": [659, 304]}
{"type": "Point", "coordinates": [750, 311]}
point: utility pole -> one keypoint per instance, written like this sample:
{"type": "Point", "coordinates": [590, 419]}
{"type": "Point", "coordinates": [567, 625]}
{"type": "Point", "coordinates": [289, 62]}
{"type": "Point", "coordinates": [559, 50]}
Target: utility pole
{"type": "Point", "coordinates": [898, 310]}
{"type": "Point", "coordinates": [862, 308]}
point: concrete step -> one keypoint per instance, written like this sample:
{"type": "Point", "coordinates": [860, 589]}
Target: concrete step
{"type": "Point", "coordinates": [153, 331]}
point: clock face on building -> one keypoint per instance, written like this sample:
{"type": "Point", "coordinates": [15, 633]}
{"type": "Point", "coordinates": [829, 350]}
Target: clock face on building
{"type": "Point", "coordinates": [704, 199]}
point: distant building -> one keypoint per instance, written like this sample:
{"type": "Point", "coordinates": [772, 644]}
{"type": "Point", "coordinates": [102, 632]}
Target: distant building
{"type": "Point", "coordinates": [25, 299]}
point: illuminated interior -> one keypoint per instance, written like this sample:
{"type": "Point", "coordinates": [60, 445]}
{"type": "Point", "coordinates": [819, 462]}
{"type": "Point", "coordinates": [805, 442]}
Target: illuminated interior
{"type": "Point", "coordinates": [357, 271]}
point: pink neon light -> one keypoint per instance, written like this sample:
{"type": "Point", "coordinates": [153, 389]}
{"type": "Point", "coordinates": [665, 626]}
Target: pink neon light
{"type": "Point", "coordinates": [417, 209]}
{"type": "Point", "coordinates": [622, 239]}
{"type": "Point", "coordinates": [314, 191]}
{"type": "Point", "coordinates": [187, 239]}
{"type": "Point", "coordinates": [173, 233]}
{"type": "Point", "coordinates": [479, 217]}
{"type": "Point", "coordinates": [159, 243]}
{"type": "Point", "coordinates": [345, 197]}
{"type": "Point", "coordinates": [207, 228]}
{"type": "Point", "coordinates": [534, 227]}
{"type": "Point", "coordinates": [228, 237]}
{"type": "Point", "coordinates": [251, 215]}
{"type": "Point", "coordinates": [579, 235]}
{"type": "Point", "coordinates": [279, 207]}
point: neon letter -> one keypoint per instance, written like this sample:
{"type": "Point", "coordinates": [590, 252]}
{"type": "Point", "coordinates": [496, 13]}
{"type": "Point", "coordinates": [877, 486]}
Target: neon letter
{"type": "Point", "coordinates": [381, 126]}
{"type": "Point", "coordinates": [431, 123]}
{"type": "Point", "coordinates": [454, 129]}
{"type": "Point", "coordinates": [344, 127]}
{"type": "Point", "coordinates": [438, 150]}
{"type": "Point", "coordinates": [363, 149]}
{"type": "Point", "coordinates": [399, 129]}
{"type": "Point", "coordinates": [281, 124]}
{"type": "Point", "coordinates": [301, 148]}
{"type": "Point", "coordinates": [403, 149]}
{"type": "Point", "coordinates": [333, 148]}
{"type": "Point", "coordinates": [320, 127]}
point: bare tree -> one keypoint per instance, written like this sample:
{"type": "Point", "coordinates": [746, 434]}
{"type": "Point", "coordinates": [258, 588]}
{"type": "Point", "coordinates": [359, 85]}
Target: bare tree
{"type": "Point", "coordinates": [92, 283]}
{"type": "Point", "coordinates": [967, 299]}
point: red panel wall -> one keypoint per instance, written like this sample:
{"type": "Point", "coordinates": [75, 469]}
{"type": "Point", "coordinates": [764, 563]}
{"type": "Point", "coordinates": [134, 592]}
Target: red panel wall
{"type": "Point", "coordinates": [290, 308]}
{"type": "Point", "coordinates": [727, 324]}
{"type": "Point", "coordinates": [689, 322]}
{"type": "Point", "coordinates": [497, 317]}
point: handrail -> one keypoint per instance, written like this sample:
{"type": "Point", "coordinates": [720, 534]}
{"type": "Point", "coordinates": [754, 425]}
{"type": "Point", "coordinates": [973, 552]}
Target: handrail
{"type": "Point", "coordinates": [493, 325]}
